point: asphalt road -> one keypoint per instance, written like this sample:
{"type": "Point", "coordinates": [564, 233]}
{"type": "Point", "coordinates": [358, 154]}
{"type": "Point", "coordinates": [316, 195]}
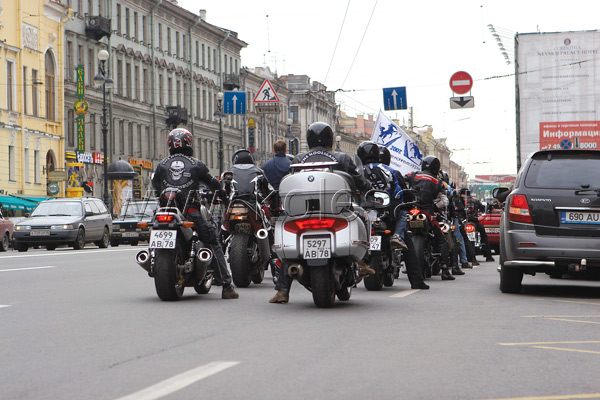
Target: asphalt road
{"type": "Point", "coordinates": [87, 325]}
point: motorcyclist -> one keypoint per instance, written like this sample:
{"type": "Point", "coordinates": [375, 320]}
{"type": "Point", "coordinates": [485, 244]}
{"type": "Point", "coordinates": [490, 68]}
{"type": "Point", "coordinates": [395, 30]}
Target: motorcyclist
{"type": "Point", "coordinates": [181, 170]}
{"type": "Point", "coordinates": [275, 169]}
{"type": "Point", "coordinates": [430, 193]}
{"type": "Point", "coordinates": [319, 138]}
{"type": "Point", "coordinates": [376, 156]}
{"type": "Point", "coordinates": [474, 207]}
{"type": "Point", "coordinates": [244, 178]}
{"type": "Point", "coordinates": [458, 252]}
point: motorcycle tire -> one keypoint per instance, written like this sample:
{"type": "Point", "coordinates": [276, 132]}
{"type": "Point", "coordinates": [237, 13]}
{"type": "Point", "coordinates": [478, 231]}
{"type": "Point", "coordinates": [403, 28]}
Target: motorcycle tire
{"type": "Point", "coordinates": [423, 251]}
{"type": "Point", "coordinates": [259, 276]}
{"type": "Point", "coordinates": [375, 281]}
{"type": "Point", "coordinates": [344, 293]}
{"type": "Point", "coordinates": [239, 260]}
{"type": "Point", "coordinates": [322, 286]}
{"type": "Point", "coordinates": [165, 274]}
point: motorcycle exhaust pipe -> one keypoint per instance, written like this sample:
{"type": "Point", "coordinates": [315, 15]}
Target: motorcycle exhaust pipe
{"type": "Point", "coordinates": [445, 228]}
{"type": "Point", "coordinates": [143, 259]}
{"type": "Point", "coordinates": [204, 255]}
{"type": "Point", "coordinates": [409, 217]}
{"type": "Point", "coordinates": [295, 270]}
{"type": "Point", "coordinates": [262, 234]}
{"type": "Point", "coordinates": [421, 217]}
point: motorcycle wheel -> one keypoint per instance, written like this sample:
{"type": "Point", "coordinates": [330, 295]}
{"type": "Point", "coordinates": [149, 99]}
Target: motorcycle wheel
{"type": "Point", "coordinates": [375, 281]}
{"type": "Point", "coordinates": [165, 275]}
{"type": "Point", "coordinates": [259, 276]}
{"type": "Point", "coordinates": [344, 293]}
{"type": "Point", "coordinates": [423, 251]}
{"type": "Point", "coordinates": [204, 286]}
{"type": "Point", "coordinates": [239, 260]}
{"type": "Point", "coordinates": [323, 286]}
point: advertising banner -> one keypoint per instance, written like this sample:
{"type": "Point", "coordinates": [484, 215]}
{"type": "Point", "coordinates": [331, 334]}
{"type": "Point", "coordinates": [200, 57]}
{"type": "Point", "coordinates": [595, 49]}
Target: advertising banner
{"type": "Point", "coordinates": [558, 91]}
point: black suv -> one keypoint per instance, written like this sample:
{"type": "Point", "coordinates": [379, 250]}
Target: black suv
{"type": "Point", "coordinates": [551, 219]}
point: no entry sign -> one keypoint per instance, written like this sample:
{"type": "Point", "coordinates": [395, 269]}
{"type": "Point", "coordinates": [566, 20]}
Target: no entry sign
{"type": "Point", "coordinates": [461, 82]}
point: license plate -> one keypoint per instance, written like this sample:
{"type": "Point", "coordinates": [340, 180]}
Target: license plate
{"type": "Point", "coordinates": [471, 236]}
{"type": "Point", "coordinates": [130, 234]}
{"type": "Point", "coordinates": [375, 243]}
{"type": "Point", "coordinates": [492, 230]}
{"type": "Point", "coordinates": [39, 233]}
{"type": "Point", "coordinates": [416, 224]}
{"type": "Point", "coordinates": [579, 217]}
{"type": "Point", "coordinates": [316, 248]}
{"type": "Point", "coordinates": [162, 239]}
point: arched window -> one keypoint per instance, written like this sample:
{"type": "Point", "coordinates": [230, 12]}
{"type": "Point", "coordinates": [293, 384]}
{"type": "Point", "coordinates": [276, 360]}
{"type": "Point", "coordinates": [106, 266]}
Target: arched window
{"type": "Point", "coordinates": [50, 87]}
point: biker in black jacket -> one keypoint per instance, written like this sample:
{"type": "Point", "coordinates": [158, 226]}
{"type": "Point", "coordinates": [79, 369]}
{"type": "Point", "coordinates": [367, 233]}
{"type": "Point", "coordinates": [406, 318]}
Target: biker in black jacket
{"type": "Point", "coordinates": [182, 171]}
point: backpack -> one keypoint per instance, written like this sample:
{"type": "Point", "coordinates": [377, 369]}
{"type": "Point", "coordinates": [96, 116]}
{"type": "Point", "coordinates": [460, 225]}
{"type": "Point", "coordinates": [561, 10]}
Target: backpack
{"type": "Point", "coordinates": [379, 178]}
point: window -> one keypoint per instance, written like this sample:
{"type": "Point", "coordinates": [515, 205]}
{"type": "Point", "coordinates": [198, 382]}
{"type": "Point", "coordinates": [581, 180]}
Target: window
{"type": "Point", "coordinates": [50, 89]}
{"type": "Point", "coordinates": [26, 165]}
{"type": "Point", "coordinates": [294, 114]}
{"type": "Point", "coordinates": [80, 58]}
{"type": "Point", "coordinates": [185, 96]}
{"type": "Point", "coordinates": [69, 61]}
{"type": "Point", "coordinates": [138, 147]}
{"type": "Point", "coordinates": [225, 64]}
{"type": "Point", "coordinates": [119, 82]}
{"type": "Point", "coordinates": [170, 91]}
{"type": "Point", "coordinates": [136, 78]}
{"type": "Point", "coordinates": [214, 60]}
{"type": "Point", "coordinates": [148, 142]}
{"type": "Point", "coordinates": [11, 163]}
{"type": "Point", "coordinates": [176, 44]}
{"type": "Point", "coordinates": [169, 40]}
{"type": "Point", "coordinates": [127, 23]}
{"type": "Point", "coordinates": [184, 48]}
{"type": "Point", "coordinates": [25, 108]}
{"type": "Point", "coordinates": [198, 102]}
{"type": "Point", "coordinates": [146, 85]}
{"type": "Point", "coordinates": [178, 92]}
{"type": "Point", "coordinates": [90, 68]}
{"type": "Point", "coordinates": [10, 82]}
{"type": "Point", "coordinates": [135, 25]}
{"type": "Point", "coordinates": [203, 55]}
{"type": "Point", "coordinates": [70, 128]}
{"type": "Point", "coordinates": [160, 42]}
{"type": "Point", "coordinates": [144, 28]}
{"type": "Point", "coordinates": [37, 170]}
{"type": "Point", "coordinates": [130, 139]}
{"type": "Point", "coordinates": [160, 90]}
{"type": "Point", "coordinates": [34, 92]}
{"type": "Point", "coordinates": [92, 131]}
{"type": "Point", "coordinates": [197, 53]}
{"type": "Point", "coordinates": [118, 19]}
{"type": "Point", "coordinates": [128, 93]}
{"type": "Point", "coordinates": [208, 63]}
{"type": "Point", "coordinates": [122, 137]}
{"type": "Point", "coordinates": [91, 7]}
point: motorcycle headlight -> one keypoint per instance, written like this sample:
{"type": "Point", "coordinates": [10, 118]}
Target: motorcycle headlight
{"type": "Point", "coordinates": [61, 227]}
{"type": "Point", "coordinates": [238, 210]}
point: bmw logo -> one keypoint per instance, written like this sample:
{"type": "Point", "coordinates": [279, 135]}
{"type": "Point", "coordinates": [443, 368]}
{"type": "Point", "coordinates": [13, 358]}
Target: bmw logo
{"type": "Point", "coordinates": [585, 200]}
{"type": "Point", "coordinates": [311, 178]}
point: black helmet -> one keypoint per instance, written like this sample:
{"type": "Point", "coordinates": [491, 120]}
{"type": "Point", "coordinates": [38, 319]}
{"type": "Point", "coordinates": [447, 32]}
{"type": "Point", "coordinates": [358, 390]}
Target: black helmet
{"type": "Point", "coordinates": [385, 157]}
{"type": "Point", "coordinates": [445, 176]}
{"type": "Point", "coordinates": [180, 141]}
{"type": "Point", "coordinates": [431, 164]}
{"type": "Point", "coordinates": [465, 191]}
{"type": "Point", "coordinates": [368, 152]}
{"type": "Point", "coordinates": [319, 134]}
{"type": "Point", "coordinates": [242, 156]}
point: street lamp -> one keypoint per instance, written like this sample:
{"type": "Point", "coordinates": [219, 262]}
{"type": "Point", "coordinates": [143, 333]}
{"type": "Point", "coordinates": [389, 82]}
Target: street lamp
{"type": "Point", "coordinates": [219, 114]}
{"type": "Point", "coordinates": [106, 81]}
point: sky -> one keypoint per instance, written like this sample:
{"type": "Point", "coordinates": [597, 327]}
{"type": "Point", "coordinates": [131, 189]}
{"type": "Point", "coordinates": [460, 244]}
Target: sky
{"type": "Point", "coordinates": [360, 47]}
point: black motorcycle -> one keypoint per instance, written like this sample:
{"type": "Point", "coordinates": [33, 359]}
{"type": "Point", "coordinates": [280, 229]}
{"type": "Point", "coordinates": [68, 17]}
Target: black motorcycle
{"type": "Point", "coordinates": [176, 258]}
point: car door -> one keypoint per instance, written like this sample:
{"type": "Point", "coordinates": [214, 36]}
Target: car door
{"type": "Point", "coordinates": [92, 222]}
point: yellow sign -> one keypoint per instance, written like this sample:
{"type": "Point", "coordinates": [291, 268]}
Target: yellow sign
{"type": "Point", "coordinates": [81, 107]}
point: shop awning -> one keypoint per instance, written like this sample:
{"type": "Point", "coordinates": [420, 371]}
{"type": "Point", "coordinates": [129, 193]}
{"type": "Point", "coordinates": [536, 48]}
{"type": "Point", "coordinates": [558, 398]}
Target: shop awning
{"type": "Point", "coordinates": [26, 203]}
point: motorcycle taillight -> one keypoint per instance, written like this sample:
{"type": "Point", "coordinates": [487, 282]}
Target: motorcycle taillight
{"type": "Point", "coordinates": [415, 211]}
{"type": "Point", "coordinates": [470, 228]}
{"type": "Point", "coordinates": [301, 225]}
{"type": "Point", "coordinates": [164, 217]}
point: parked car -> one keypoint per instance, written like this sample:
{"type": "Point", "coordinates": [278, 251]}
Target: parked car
{"type": "Point", "coordinates": [69, 221]}
{"type": "Point", "coordinates": [491, 223]}
{"type": "Point", "coordinates": [6, 232]}
{"type": "Point", "coordinates": [551, 218]}
{"type": "Point", "coordinates": [124, 227]}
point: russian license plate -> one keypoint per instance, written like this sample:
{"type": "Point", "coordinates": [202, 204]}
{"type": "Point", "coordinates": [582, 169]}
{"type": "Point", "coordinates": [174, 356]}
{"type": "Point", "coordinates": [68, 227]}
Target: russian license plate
{"type": "Point", "coordinates": [162, 239]}
{"type": "Point", "coordinates": [579, 217]}
{"type": "Point", "coordinates": [471, 236]}
{"type": "Point", "coordinates": [415, 224]}
{"type": "Point", "coordinates": [316, 248]}
{"type": "Point", "coordinates": [39, 233]}
{"type": "Point", "coordinates": [130, 234]}
{"type": "Point", "coordinates": [375, 243]}
{"type": "Point", "coordinates": [492, 230]}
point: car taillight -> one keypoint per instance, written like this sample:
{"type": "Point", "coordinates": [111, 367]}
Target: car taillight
{"type": "Point", "coordinates": [470, 228]}
{"type": "Point", "coordinates": [519, 209]}
{"type": "Point", "coordinates": [301, 225]}
{"type": "Point", "coordinates": [164, 218]}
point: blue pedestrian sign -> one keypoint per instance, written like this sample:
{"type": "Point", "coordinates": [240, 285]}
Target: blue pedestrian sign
{"type": "Point", "coordinates": [234, 102]}
{"type": "Point", "coordinates": [394, 98]}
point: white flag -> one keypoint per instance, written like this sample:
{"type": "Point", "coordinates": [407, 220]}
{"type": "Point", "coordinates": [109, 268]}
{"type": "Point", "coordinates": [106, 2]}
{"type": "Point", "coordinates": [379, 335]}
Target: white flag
{"type": "Point", "coordinates": [406, 156]}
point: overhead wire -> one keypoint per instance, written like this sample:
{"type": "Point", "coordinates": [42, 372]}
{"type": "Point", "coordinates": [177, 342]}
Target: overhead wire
{"type": "Point", "coordinates": [336, 43]}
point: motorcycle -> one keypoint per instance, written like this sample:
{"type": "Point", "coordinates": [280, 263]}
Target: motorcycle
{"type": "Point", "coordinates": [322, 233]}
{"type": "Point", "coordinates": [176, 258]}
{"type": "Point", "coordinates": [473, 236]}
{"type": "Point", "coordinates": [247, 220]}
{"type": "Point", "coordinates": [421, 223]}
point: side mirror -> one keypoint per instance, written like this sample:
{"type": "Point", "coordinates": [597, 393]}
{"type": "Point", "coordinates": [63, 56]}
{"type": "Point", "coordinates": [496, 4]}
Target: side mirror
{"type": "Point", "coordinates": [378, 198]}
{"type": "Point", "coordinates": [89, 213]}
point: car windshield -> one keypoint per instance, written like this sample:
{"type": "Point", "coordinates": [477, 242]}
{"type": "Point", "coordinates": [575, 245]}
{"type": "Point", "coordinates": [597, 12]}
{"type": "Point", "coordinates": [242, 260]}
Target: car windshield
{"type": "Point", "coordinates": [137, 210]}
{"type": "Point", "coordinates": [564, 171]}
{"type": "Point", "coordinates": [57, 208]}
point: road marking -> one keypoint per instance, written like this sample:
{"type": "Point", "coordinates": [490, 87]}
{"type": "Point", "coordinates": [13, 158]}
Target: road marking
{"type": "Point", "coordinates": [3, 306]}
{"type": "Point", "coordinates": [25, 269]}
{"type": "Point", "coordinates": [563, 349]}
{"type": "Point", "coordinates": [561, 316]}
{"type": "Point", "coordinates": [578, 302]}
{"type": "Point", "coordinates": [405, 293]}
{"type": "Point", "coordinates": [575, 320]}
{"type": "Point", "coordinates": [70, 252]}
{"type": "Point", "coordinates": [180, 381]}
{"type": "Point", "coordinates": [543, 343]}
{"type": "Point", "coordinates": [563, 397]}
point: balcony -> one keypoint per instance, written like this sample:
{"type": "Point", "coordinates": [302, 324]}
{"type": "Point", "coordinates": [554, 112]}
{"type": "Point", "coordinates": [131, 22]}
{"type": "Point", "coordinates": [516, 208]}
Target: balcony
{"type": "Point", "coordinates": [97, 27]}
{"type": "Point", "coordinates": [231, 81]}
{"type": "Point", "coordinates": [177, 115]}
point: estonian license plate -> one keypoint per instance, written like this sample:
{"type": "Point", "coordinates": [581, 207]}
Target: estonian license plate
{"type": "Point", "coordinates": [471, 236]}
{"type": "Point", "coordinates": [375, 242]}
{"type": "Point", "coordinates": [39, 233]}
{"type": "Point", "coordinates": [162, 239]}
{"type": "Point", "coordinates": [579, 217]}
{"type": "Point", "coordinates": [492, 230]}
{"type": "Point", "coordinates": [130, 234]}
{"type": "Point", "coordinates": [316, 247]}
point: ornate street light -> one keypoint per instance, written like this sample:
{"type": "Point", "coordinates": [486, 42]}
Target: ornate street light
{"type": "Point", "coordinates": [219, 114]}
{"type": "Point", "coordinates": [106, 81]}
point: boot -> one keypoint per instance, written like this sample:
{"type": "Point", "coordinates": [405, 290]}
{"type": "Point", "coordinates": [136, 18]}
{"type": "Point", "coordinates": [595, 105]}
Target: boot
{"type": "Point", "coordinates": [475, 262]}
{"type": "Point", "coordinates": [280, 297]}
{"type": "Point", "coordinates": [420, 285]}
{"type": "Point", "coordinates": [365, 269]}
{"type": "Point", "coordinates": [446, 276]}
{"type": "Point", "coordinates": [457, 271]}
{"type": "Point", "coordinates": [467, 265]}
{"type": "Point", "coordinates": [397, 243]}
{"type": "Point", "coordinates": [229, 293]}
{"type": "Point", "coordinates": [489, 258]}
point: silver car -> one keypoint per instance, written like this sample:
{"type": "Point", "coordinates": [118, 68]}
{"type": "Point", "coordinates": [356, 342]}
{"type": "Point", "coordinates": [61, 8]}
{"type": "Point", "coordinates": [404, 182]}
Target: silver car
{"type": "Point", "coordinates": [551, 219]}
{"type": "Point", "coordinates": [69, 221]}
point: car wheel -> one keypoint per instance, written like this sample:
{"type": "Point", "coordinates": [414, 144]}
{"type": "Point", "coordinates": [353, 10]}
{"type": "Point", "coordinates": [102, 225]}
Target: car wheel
{"type": "Point", "coordinates": [50, 247]}
{"type": "Point", "coordinates": [510, 280]}
{"type": "Point", "coordinates": [79, 240]}
{"type": "Point", "coordinates": [114, 243]}
{"type": "Point", "coordinates": [134, 243]}
{"type": "Point", "coordinates": [104, 242]}
{"type": "Point", "coordinates": [4, 243]}
{"type": "Point", "coordinates": [21, 247]}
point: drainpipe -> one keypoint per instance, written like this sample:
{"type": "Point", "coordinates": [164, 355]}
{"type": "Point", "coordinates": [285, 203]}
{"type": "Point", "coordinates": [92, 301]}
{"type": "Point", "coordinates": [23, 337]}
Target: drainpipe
{"type": "Point", "coordinates": [192, 102]}
{"type": "Point", "coordinates": [220, 150]}
{"type": "Point", "coordinates": [154, 135]}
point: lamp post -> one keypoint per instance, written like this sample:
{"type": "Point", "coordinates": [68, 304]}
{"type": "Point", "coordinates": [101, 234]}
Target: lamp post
{"type": "Point", "coordinates": [219, 114]}
{"type": "Point", "coordinates": [106, 81]}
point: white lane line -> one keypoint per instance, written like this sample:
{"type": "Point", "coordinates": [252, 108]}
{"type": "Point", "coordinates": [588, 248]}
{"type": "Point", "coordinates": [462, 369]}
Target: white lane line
{"type": "Point", "coordinates": [28, 268]}
{"type": "Point", "coordinates": [405, 293]}
{"type": "Point", "coordinates": [3, 306]}
{"type": "Point", "coordinates": [67, 252]}
{"type": "Point", "coordinates": [180, 381]}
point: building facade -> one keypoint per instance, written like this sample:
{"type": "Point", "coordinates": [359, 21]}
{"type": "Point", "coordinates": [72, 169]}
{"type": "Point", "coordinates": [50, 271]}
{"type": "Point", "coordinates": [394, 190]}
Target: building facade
{"type": "Point", "coordinates": [31, 96]}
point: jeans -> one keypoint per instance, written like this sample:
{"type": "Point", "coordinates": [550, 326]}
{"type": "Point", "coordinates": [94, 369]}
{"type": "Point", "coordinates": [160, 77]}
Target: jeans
{"type": "Point", "coordinates": [401, 224]}
{"type": "Point", "coordinates": [462, 250]}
